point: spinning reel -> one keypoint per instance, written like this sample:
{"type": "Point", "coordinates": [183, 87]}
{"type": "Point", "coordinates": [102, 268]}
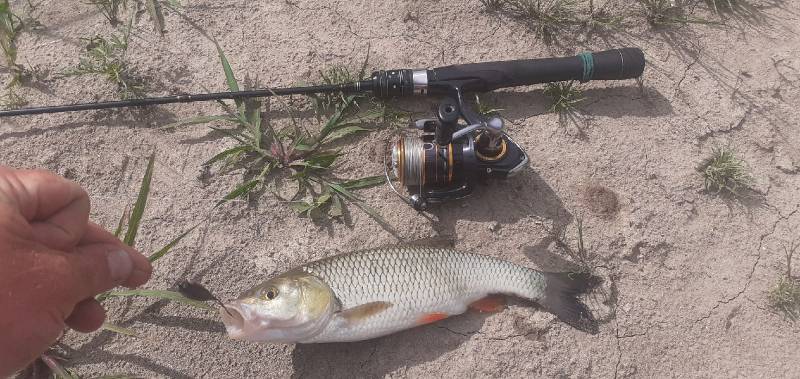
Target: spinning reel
{"type": "Point", "coordinates": [448, 158]}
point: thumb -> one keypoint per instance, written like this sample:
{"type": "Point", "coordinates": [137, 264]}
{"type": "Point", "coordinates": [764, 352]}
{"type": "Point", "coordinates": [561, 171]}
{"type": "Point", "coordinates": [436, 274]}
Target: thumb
{"type": "Point", "coordinates": [100, 267]}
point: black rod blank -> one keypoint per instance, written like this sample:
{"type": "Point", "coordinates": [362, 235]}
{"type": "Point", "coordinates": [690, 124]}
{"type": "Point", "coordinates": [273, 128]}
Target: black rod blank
{"type": "Point", "coordinates": [180, 99]}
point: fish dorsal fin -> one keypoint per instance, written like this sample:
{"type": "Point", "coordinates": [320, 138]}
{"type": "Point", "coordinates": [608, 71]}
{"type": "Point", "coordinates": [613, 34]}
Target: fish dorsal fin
{"type": "Point", "coordinates": [364, 311]}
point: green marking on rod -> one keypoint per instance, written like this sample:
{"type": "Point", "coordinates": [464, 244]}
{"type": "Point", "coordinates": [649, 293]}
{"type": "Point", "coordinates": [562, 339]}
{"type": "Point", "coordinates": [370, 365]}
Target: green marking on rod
{"type": "Point", "coordinates": [588, 66]}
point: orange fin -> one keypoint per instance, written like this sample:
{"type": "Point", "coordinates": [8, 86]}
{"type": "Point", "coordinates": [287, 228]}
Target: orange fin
{"type": "Point", "coordinates": [432, 317]}
{"type": "Point", "coordinates": [491, 303]}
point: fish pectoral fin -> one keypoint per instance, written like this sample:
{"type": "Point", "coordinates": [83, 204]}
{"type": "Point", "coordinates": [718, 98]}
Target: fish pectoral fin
{"type": "Point", "coordinates": [364, 311]}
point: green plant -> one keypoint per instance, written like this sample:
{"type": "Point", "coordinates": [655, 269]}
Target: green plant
{"type": "Point", "coordinates": [785, 295]}
{"type": "Point", "coordinates": [326, 103]}
{"type": "Point", "coordinates": [155, 9]}
{"type": "Point", "coordinates": [724, 171]}
{"type": "Point", "coordinates": [720, 6]}
{"type": "Point", "coordinates": [113, 9]}
{"type": "Point", "coordinates": [107, 57]}
{"type": "Point", "coordinates": [741, 10]}
{"type": "Point", "coordinates": [293, 154]}
{"type": "Point", "coordinates": [110, 9]}
{"type": "Point", "coordinates": [337, 74]}
{"type": "Point", "coordinates": [12, 100]}
{"type": "Point", "coordinates": [545, 17]}
{"type": "Point", "coordinates": [661, 13]}
{"type": "Point", "coordinates": [128, 228]}
{"type": "Point", "coordinates": [485, 109]}
{"type": "Point", "coordinates": [564, 96]}
{"type": "Point", "coordinates": [580, 254]}
{"type": "Point", "coordinates": [493, 5]}
{"type": "Point", "coordinates": [603, 17]}
{"type": "Point", "coordinates": [10, 26]}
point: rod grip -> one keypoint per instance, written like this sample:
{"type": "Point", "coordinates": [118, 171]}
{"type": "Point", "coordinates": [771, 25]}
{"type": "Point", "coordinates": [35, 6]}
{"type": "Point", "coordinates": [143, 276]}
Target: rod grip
{"type": "Point", "coordinates": [617, 64]}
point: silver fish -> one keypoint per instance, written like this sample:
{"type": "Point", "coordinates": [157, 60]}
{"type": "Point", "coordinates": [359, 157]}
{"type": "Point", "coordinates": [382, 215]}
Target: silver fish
{"type": "Point", "coordinates": [372, 293]}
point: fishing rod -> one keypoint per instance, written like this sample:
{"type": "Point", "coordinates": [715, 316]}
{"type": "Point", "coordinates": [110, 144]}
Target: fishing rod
{"type": "Point", "coordinates": [448, 157]}
{"type": "Point", "coordinates": [179, 99]}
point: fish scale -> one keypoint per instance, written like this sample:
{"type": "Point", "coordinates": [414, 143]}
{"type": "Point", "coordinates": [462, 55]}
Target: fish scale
{"type": "Point", "coordinates": [416, 282]}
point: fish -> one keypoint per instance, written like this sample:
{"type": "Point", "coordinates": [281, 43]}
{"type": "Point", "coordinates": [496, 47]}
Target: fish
{"type": "Point", "coordinates": [373, 293]}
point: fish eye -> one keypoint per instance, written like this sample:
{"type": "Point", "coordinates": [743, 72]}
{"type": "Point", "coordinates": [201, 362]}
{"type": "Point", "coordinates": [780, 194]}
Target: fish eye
{"type": "Point", "coordinates": [271, 293]}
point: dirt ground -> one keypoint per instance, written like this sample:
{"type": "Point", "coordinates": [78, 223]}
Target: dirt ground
{"type": "Point", "coordinates": [687, 272]}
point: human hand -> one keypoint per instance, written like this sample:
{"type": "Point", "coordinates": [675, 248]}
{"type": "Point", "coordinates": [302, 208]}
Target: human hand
{"type": "Point", "coordinates": [53, 261]}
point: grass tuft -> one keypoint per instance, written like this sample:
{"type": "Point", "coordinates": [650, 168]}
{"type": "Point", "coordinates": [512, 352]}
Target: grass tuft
{"type": "Point", "coordinates": [485, 109]}
{"type": "Point", "coordinates": [107, 57]}
{"type": "Point", "coordinates": [493, 5]}
{"type": "Point", "coordinates": [10, 26]}
{"type": "Point", "coordinates": [785, 295]}
{"type": "Point", "coordinates": [294, 154]}
{"type": "Point", "coordinates": [547, 18]}
{"type": "Point", "coordinates": [603, 17]}
{"type": "Point", "coordinates": [727, 6]}
{"type": "Point", "coordinates": [129, 224]}
{"type": "Point", "coordinates": [12, 99]}
{"type": "Point", "coordinates": [110, 9]}
{"type": "Point", "coordinates": [724, 171]}
{"type": "Point", "coordinates": [665, 13]}
{"type": "Point", "coordinates": [564, 96]}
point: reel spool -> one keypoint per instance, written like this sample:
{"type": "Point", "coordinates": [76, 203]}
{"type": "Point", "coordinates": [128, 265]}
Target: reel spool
{"type": "Point", "coordinates": [434, 173]}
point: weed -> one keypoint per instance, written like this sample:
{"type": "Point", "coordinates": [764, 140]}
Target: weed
{"type": "Point", "coordinates": [602, 17]}
{"type": "Point", "coordinates": [128, 228]}
{"type": "Point", "coordinates": [155, 8]}
{"type": "Point", "coordinates": [724, 171]}
{"type": "Point", "coordinates": [10, 26]}
{"type": "Point", "coordinates": [493, 5]}
{"type": "Point", "coordinates": [326, 103]}
{"type": "Point", "coordinates": [785, 296]}
{"type": "Point", "coordinates": [110, 9]}
{"type": "Point", "coordinates": [294, 154]}
{"type": "Point", "coordinates": [564, 95]}
{"type": "Point", "coordinates": [580, 254]}
{"type": "Point", "coordinates": [545, 17]}
{"type": "Point", "coordinates": [338, 74]}
{"type": "Point", "coordinates": [485, 109]}
{"type": "Point", "coordinates": [12, 99]}
{"type": "Point", "coordinates": [741, 10]}
{"type": "Point", "coordinates": [661, 13]}
{"type": "Point", "coordinates": [113, 9]}
{"type": "Point", "coordinates": [107, 57]}
{"type": "Point", "coordinates": [721, 6]}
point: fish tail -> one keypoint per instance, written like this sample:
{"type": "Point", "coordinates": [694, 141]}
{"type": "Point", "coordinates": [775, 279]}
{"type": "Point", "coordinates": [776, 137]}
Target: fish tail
{"type": "Point", "coordinates": [561, 298]}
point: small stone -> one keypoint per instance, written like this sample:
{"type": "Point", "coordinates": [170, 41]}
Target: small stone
{"type": "Point", "coordinates": [495, 226]}
{"type": "Point", "coordinates": [67, 173]}
{"type": "Point", "coordinates": [785, 164]}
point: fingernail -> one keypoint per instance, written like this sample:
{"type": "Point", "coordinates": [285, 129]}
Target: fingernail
{"type": "Point", "coordinates": [120, 265]}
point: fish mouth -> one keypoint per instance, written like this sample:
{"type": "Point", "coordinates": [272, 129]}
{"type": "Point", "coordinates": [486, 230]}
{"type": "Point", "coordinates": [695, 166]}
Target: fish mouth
{"type": "Point", "coordinates": [234, 321]}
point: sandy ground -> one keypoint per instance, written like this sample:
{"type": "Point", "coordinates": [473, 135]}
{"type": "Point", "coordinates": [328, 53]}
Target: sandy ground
{"type": "Point", "coordinates": [687, 273]}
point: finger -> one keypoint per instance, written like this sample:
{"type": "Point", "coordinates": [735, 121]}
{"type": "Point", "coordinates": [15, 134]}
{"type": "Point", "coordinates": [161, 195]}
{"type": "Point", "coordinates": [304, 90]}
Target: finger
{"type": "Point", "coordinates": [87, 316]}
{"type": "Point", "coordinates": [57, 208]}
{"type": "Point", "coordinates": [100, 267]}
{"type": "Point", "coordinates": [95, 234]}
